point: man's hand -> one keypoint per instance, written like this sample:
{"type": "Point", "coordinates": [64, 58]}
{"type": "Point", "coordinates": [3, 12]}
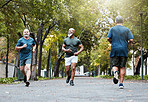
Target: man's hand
{"type": "Point", "coordinates": [130, 41]}
{"type": "Point", "coordinates": [76, 53]}
{"type": "Point", "coordinates": [68, 50]}
{"type": "Point", "coordinates": [25, 45]}
{"type": "Point", "coordinates": [20, 47]}
{"type": "Point", "coordinates": [33, 50]}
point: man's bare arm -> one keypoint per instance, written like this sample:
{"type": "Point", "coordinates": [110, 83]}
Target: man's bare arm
{"type": "Point", "coordinates": [130, 41]}
{"type": "Point", "coordinates": [34, 47]}
{"type": "Point", "coordinates": [81, 49]}
{"type": "Point", "coordinates": [20, 47]}
{"type": "Point", "coordinates": [65, 50]}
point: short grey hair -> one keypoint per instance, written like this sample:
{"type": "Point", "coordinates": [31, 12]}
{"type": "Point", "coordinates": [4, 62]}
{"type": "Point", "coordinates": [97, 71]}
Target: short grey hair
{"type": "Point", "coordinates": [26, 30]}
{"type": "Point", "coordinates": [119, 19]}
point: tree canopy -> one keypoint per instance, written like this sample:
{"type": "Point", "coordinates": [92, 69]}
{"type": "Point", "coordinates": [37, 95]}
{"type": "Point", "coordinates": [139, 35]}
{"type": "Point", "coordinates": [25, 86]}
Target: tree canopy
{"type": "Point", "coordinates": [91, 19]}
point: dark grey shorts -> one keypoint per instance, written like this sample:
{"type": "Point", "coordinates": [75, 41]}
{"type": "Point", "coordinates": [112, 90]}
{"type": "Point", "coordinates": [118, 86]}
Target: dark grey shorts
{"type": "Point", "coordinates": [24, 62]}
{"type": "Point", "coordinates": [118, 61]}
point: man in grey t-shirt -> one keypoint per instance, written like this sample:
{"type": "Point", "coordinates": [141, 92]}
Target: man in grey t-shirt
{"type": "Point", "coordinates": [70, 45]}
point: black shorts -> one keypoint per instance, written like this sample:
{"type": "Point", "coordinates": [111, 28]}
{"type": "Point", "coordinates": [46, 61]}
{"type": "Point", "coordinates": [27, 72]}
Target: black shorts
{"type": "Point", "coordinates": [118, 61]}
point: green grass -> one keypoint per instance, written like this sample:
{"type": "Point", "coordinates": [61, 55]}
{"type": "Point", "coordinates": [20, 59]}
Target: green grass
{"type": "Point", "coordinates": [129, 77]}
{"type": "Point", "coordinates": [11, 80]}
{"type": "Point", "coordinates": [48, 78]}
{"type": "Point", "coordinates": [7, 80]}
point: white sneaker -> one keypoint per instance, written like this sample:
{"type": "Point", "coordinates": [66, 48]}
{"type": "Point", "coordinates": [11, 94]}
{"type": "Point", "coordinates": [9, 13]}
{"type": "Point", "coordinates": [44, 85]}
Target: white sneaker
{"type": "Point", "coordinates": [115, 80]}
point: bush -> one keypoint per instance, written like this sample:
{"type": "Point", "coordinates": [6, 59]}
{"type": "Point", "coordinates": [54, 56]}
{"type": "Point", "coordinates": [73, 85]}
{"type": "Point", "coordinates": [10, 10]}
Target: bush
{"type": "Point", "coordinates": [130, 77]}
{"type": "Point", "coordinates": [105, 76]}
{"type": "Point", "coordinates": [145, 77]}
{"type": "Point", "coordinates": [48, 78]}
{"type": "Point", "coordinates": [133, 77]}
{"type": "Point", "coordinates": [7, 80]}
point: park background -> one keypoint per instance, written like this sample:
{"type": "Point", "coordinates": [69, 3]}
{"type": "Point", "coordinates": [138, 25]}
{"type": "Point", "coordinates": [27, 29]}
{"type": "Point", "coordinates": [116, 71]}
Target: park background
{"type": "Point", "coordinates": [49, 21]}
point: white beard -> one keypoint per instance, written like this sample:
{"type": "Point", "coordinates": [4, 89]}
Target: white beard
{"type": "Point", "coordinates": [69, 35]}
{"type": "Point", "coordinates": [26, 35]}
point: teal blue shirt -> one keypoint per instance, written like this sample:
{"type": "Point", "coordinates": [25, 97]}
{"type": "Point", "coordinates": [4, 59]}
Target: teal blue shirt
{"type": "Point", "coordinates": [25, 53]}
{"type": "Point", "coordinates": [120, 36]}
{"type": "Point", "coordinates": [71, 44]}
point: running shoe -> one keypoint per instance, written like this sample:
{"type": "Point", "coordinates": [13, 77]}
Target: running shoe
{"type": "Point", "coordinates": [115, 80]}
{"type": "Point", "coordinates": [68, 78]}
{"type": "Point", "coordinates": [25, 78]}
{"type": "Point", "coordinates": [35, 79]}
{"type": "Point", "coordinates": [121, 86]}
{"type": "Point", "coordinates": [71, 83]}
{"type": "Point", "coordinates": [27, 84]}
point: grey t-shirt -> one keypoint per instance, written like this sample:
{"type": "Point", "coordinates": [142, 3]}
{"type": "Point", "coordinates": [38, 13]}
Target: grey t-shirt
{"type": "Point", "coordinates": [71, 44]}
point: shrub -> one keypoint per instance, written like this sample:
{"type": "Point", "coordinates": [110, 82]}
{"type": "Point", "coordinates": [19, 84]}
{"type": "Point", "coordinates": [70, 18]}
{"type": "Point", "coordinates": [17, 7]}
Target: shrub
{"type": "Point", "coordinates": [7, 80]}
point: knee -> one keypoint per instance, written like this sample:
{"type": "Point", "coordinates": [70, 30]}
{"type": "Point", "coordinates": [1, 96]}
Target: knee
{"type": "Point", "coordinates": [27, 68]}
{"type": "Point", "coordinates": [21, 69]}
{"type": "Point", "coordinates": [67, 69]}
{"type": "Point", "coordinates": [122, 73]}
{"type": "Point", "coordinates": [73, 68]}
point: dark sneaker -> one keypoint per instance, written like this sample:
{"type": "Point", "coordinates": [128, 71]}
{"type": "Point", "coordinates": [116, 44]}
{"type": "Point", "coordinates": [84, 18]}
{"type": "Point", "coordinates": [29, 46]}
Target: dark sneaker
{"type": "Point", "coordinates": [27, 84]}
{"type": "Point", "coordinates": [35, 79]}
{"type": "Point", "coordinates": [71, 83]}
{"type": "Point", "coordinates": [115, 80]}
{"type": "Point", "coordinates": [25, 78]}
{"type": "Point", "coordinates": [68, 78]}
{"type": "Point", "coordinates": [121, 86]}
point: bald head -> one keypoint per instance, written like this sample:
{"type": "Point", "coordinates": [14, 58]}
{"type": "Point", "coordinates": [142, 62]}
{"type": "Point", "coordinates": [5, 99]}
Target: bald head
{"type": "Point", "coordinates": [71, 32]}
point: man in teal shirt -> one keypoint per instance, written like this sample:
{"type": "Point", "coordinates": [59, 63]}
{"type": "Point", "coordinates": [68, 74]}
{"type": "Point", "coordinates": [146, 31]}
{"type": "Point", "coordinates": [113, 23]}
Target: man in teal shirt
{"type": "Point", "coordinates": [119, 37]}
{"type": "Point", "coordinates": [25, 45]}
{"type": "Point", "coordinates": [70, 45]}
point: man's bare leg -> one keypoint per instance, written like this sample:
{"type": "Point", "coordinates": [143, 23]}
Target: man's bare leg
{"type": "Point", "coordinates": [28, 71]}
{"type": "Point", "coordinates": [68, 70]}
{"type": "Point", "coordinates": [22, 69]}
{"type": "Point", "coordinates": [68, 73]}
{"type": "Point", "coordinates": [115, 70]}
{"type": "Point", "coordinates": [122, 74]}
{"type": "Point", "coordinates": [33, 75]}
{"type": "Point", "coordinates": [73, 67]}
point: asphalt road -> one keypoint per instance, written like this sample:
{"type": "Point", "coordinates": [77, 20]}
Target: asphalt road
{"type": "Point", "coordinates": [86, 89]}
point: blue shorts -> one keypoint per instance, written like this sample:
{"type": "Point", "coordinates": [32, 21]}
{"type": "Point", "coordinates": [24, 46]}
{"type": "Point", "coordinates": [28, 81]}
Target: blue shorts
{"type": "Point", "coordinates": [24, 62]}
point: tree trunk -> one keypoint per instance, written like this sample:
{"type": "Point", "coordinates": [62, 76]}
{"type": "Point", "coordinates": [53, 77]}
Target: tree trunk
{"type": "Point", "coordinates": [146, 66]}
{"type": "Point", "coordinates": [39, 39]}
{"type": "Point", "coordinates": [41, 45]}
{"type": "Point", "coordinates": [139, 64]}
{"type": "Point", "coordinates": [40, 58]}
{"type": "Point", "coordinates": [7, 56]}
{"type": "Point", "coordinates": [48, 62]}
{"type": "Point", "coordinates": [56, 72]}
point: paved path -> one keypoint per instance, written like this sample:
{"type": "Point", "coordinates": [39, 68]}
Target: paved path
{"type": "Point", "coordinates": [85, 90]}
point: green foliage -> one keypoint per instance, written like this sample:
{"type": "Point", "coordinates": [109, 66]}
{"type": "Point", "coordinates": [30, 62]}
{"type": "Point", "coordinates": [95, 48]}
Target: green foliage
{"type": "Point", "coordinates": [91, 19]}
{"type": "Point", "coordinates": [7, 80]}
{"type": "Point", "coordinates": [48, 78]}
{"type": "Point", "coordinates": [101, 55]}
{"type": "Point", "coordinates": [129, 77]}
{"type": "Point", "coordinates": [105, 76]}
